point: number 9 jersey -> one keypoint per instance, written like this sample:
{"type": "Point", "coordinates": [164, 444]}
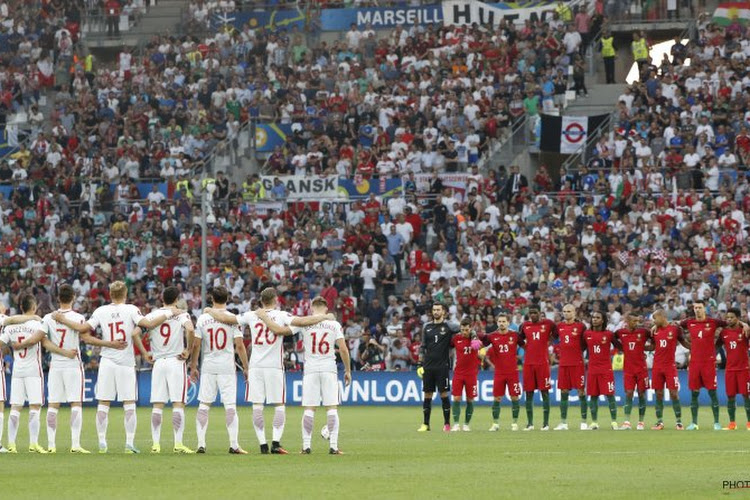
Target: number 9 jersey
{"type": "Point", "coordinates": [168, 339]}
{"type": "Point", "coordinates": [217, 345]}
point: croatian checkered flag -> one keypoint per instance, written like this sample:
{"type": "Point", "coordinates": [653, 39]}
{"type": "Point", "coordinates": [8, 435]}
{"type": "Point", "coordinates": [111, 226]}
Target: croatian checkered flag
{"type": "Point", "coordinates": [624, 257]}
{"type": "Point", "coordinates": [659, 254]}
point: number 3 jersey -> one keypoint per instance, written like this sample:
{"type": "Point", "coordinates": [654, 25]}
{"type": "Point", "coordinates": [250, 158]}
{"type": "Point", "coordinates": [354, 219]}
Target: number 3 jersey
{"type": "Point", "coordinates": [63, 337]}
{"type": "Point", "coordinates": [117, 322]}
{"type": "Point", "coordinates": [319, 341]}
{"type": "Point", "coordinates": [217, 345]}
{"type": "Point", "coordinates": [167, 339]}
{"type": "Point", "coordinates": [267, 347]}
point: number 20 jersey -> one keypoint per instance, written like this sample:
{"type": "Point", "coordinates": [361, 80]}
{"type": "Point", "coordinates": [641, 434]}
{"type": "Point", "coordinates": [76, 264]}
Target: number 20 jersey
{"type": "Point", "coordinates": [267, 347]}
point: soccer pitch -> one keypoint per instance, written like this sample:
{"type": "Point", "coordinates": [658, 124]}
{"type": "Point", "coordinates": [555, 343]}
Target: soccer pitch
{"type": "Point", "coordinates": [386, 457]}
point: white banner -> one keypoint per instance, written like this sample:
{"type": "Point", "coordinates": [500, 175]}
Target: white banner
{"type": "Point", "coordinates": [304, 187]}
{"type": "Point", "coordinates": [467, 12]}
{"type": "Point", "coordinates": [573, 133]}
{"type": "Point", "coordinates": [455, 181]}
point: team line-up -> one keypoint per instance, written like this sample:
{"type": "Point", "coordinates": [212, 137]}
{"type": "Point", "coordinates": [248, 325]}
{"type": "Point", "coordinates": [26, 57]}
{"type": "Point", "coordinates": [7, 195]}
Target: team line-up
{"type": "Point", "coordinates": [175, 342]}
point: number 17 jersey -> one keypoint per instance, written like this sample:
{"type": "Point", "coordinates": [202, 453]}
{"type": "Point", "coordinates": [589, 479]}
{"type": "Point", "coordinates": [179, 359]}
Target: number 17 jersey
{"type": "Point", "coordinates": [319, 341]}
{"type": "Point", "coordinates": [267, 347]}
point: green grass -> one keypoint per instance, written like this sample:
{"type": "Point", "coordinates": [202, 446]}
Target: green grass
{"type": "Point", "coordinates": [386, 457]}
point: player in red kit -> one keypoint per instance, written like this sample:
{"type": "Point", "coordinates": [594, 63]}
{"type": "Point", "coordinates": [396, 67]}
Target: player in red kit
{"type": "Point", "coordinates": [737, 373]}
{"type": "Point", "coordinates": [601, 379]}
{"type": "Point", "coordinates": [635, 372]}
{"type": "Point", "coordinates": [465, 374]}
{"type": "Point", "coordinates": [502, 354]}
{"type": "Point", "coordinates": [571, 373]}
{"type": "Point", "coordinates": [664, 339]}
{"type": "Point", "coordinates": [536, 334]}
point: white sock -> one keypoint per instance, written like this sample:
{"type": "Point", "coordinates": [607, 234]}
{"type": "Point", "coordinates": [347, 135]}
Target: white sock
{"type": "Point", "coordinates": [279, 419]}
{"type": "Point", "coordinates": [102, 420]}
{"type": "Point", "coordinates": [156, 415]}
{"type": "Point", "coordinates": [308, 421]}
{"type": "Point", "coordinates": [33, 427]}
{"type": "Point", "coordinates": [333, 427]}
{"type": "Point", "coordinates": [51, 427]}
{"type": "Point", "coordinates": [233, 425]}
{"type": "Point", "coordinates": [259, 424]}
{"type": "Point", "coordinates": [2, 422]}
{"type": "Point", "coordinates": [178, 424]}
{"type": "Point", "coordinates": [201, 424]}
{"type": "Point", "coordinates": [131, 423]}
{"type": "Point", "coordinates": [15, 416]}
{"type": "Point", "coordinates": [76, 422]}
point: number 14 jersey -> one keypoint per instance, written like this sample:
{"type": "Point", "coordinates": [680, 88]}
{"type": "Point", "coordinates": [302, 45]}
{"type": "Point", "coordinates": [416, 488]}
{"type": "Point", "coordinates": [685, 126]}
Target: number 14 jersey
{"type": "Point", "coordinates": [267, 347]}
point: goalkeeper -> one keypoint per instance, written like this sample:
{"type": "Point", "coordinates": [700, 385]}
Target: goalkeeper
{"type": "Point", "coordinates": [434, 364]}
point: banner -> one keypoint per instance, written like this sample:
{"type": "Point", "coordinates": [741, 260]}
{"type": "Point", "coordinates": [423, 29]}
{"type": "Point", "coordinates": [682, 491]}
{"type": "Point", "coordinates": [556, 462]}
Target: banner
{"type": "Point", "coordinates": [270, 135]}
{"type": "Point", "coordinates": [260, 19]}
{"type": "Point", "coordinates": [467, 12]}
{"type": "Point", "coordinates": [395, 389]}
{"type": "Point", "coordinates": [567, 134]}
{"type": "Point", "coordinates": [726, 13]}
{"type": "Point", "coordinates": [304, 187]}
{"type": "Point", "coordinates": [455, 181]}
{"type": "Point", "coordinates": [362, 188]}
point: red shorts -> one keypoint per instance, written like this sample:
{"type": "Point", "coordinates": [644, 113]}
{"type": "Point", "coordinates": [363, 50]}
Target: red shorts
{"type": "Point", "coordinates": [702, 376]}
{"type": "Point", "coordinates": [665, 375]}
{"type": "Point", "coordinates": [536, 378]}
{"type": "Point", "coordinates": [570, 378]}
{"type": "Point", "coordinates": [636, 380]}
{"type": "Point", "coordinates": [464, 382]}
{"type": "Point", "coordinates": [737, 382]}
{"type": "Point", "coordinates": [506, 381]}
{"type": "Point", "coordinates": [600, 384]}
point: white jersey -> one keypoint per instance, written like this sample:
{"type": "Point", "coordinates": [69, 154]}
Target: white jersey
{"type": "Point", "coordinates": [117, 322]}
{"type": "Point", "coordinates": [319, 341]}
{"type": "Point", "coordinates": [217, 345]}
{"type": "Point", "coordinates": [267, 347]}
{"type": "Point", "coordinates": [26, 362]}
{"type": "Point", "coordinates": [3, 317]}
{"type": "Point", "coordinates": [63, 337]}
{"type": "Point", "coordinates": [167, 339]}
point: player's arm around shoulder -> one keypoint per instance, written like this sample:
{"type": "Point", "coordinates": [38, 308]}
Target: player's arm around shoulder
{"type": "Point", "coordinates": [52, 347]}
{"type": "Point", "coordinates": [303, 321]}
{"type": "Point", "coordinates": [36, 338]}
{"type": "Point", "coordinates": [71, 323]}
{"type": "Point", "coordinates": [223, 316]}
{"type": "Point", "coordinates": [19, 319]}
{"type": "Point", "coordinates": [136, 336]}
{"type": "Point", "coordinates": [273, 325]}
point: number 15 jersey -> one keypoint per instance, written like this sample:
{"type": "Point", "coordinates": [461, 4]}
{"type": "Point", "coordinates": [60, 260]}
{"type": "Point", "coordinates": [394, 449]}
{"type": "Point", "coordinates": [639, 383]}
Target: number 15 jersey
{"type": "Point", "coordinates": [319, 341]}
{"type": "Point", "coordinates": [117, 322]}
{"type": "Point", "coordinates": [267, 347]}
{"type": "Point", "coordinates": [217, 345]}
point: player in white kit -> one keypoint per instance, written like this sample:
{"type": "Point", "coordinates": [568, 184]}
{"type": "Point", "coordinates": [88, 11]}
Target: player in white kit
{"type": "Point", "coordinates": [118, 321]}
{"type": "Point", "coordinates": [27, 381]}
{"type": "Point", "coordinates": [66, 378]}
{"type": "Point", "coordinates": [171, 344]}
{"type": "Point", "coordinates": [266, 381]}
{"type": "Point", "coordinates": [320, 381]}
{"type": "Point", "coordinates": [218, 343]}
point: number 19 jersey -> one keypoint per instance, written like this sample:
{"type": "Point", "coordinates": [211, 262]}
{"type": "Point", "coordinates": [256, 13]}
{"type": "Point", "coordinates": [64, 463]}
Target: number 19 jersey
{"type": "Point", "coordinates": [267, 347]}
{"type": "Point", "coordinates": [319, 341]}
{"type": "Point", "coordinates": [167, 339]}
{"type": "Point", "coordinates": [217, 345]}
{"type": "Point", "coordinates": [63, 337]}
{"type": "Point", "coordinates": [117, 322]}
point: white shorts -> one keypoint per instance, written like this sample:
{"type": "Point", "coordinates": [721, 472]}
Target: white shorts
{"type": "Point", "coordinates": [169, 381]}
{"type": "Point", "coordinates": [224, 384]}
{"type": "Point", "coordinates": [320, 388]}
{"type": "Point", "coordinates": [65, 385]}
{"type": "Point", "coordinates": [24, 389]}
{"type": "Point", "coordinates": [116, 382]}
{"type": "Point", "coordinates": [3, 391]}
{"type": "Point", "coordinates": [266, 385]}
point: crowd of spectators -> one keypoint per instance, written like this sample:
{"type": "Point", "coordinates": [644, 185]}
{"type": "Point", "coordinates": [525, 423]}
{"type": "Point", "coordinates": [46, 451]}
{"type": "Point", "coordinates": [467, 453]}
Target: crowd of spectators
{"type": "Point", "coordinates": [626, 232]}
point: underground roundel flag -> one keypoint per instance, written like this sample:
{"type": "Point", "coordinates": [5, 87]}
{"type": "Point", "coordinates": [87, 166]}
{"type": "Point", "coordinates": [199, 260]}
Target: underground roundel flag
{"type": "Point", "coordinates": [727, 12]}
{"type": "Point", "coordinates": [567, 134]}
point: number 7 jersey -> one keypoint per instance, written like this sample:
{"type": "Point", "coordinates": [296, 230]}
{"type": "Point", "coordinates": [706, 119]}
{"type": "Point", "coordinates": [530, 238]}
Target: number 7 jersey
{"type": "Point", "coordinates": [319, 341]}
{"type": "Point", "coordinates": [267, 347]}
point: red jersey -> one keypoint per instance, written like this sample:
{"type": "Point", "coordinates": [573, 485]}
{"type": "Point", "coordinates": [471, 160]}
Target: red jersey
{"type": "Point", "coordinates": [736, 346]}
{"type": "Point", "coordinates": [467, 358]}
{"type": "Point", "coordinates": [702, 339]}
{"type": "Point", "coordinates": [633, 343]}
{"type": "Point", "coordinates": [599, 346]}
{"type": "Point", "coordinates": [503, 351]}
{"type": "Point", "coordinates": [571, 343]}
{"type": "Point", "coordinates": [665, 344]}
{"type": "Point", "coordinates": [536, 336]}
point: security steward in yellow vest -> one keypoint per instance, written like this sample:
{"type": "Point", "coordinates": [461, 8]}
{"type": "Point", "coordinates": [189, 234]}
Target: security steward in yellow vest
{"type": "Point", "coordinates": [607, 48]}
{"type": "Point", "coordinates": [640, 52]}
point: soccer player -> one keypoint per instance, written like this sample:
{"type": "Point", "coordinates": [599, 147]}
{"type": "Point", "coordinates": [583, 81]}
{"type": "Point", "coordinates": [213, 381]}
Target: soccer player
{"type": "Point", "coordinates": [571, 374]}
{"type": "Point", "coordinates": [635, 372]}
{"type": "Point", "coordinates": [465, 374]}
{"type": "Point", "coordinates": [737, 372]}
{"type": "Point", "coordinates": [702, 331]}
{"type": "Point", "coordinates": [664, 372]}
{"type": "Point", "coordinates": [266, 381]}
{"type": "Point", "coordinates": [601, 378]}
{"type": "Point", "coordinates": [434, 364]}
{"type": "Point", "coordinates": [320, 381]}
{"type": "Point", "coordinates": [171, 344]}
{"type": "Point", "coordinates": [66, 379]}
{"type": "Point", "coordinates": [120, 322]}
{"type": "Point", "coordinates": [219, 342]}
{"type": "Point", "coordinates": [27, 380]}
{"type": "Point", "coordinates": [502, 355]}
{"type": "Point", "coordinates": [536, 333]}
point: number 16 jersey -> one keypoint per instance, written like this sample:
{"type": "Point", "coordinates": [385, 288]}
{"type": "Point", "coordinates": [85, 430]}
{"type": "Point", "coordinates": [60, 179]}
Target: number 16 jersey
{"type": "Point", "coordinates": [319, 341]}
{"type": "Point", "coordinates": [267, 347]}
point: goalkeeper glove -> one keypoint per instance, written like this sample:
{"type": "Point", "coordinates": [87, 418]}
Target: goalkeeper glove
{"type": "Point", "coordinates": [420, 371]}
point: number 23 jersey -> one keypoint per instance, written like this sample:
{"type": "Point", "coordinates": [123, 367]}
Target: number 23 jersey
{"type": "Point", "coordinates": [267, 347]}
{"type": "Point", "coordinates": [319, 341]}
